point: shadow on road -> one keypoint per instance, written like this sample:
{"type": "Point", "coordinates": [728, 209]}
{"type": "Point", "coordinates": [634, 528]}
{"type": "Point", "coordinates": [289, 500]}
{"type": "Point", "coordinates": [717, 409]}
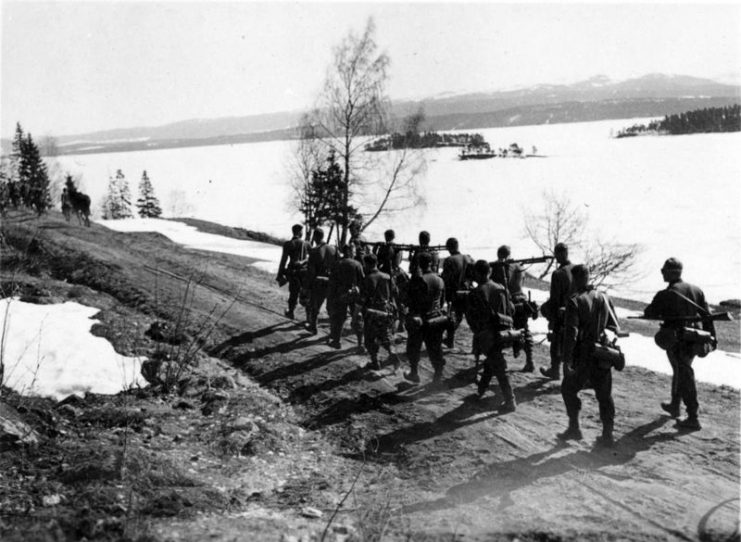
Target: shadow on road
{"type": "Point", "coordinates": [502, 478]}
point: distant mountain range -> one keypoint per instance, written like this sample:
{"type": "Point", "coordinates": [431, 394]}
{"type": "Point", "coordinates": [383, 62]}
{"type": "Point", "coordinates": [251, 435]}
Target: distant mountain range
{"type": "Point", "coordinates": [597, 98]}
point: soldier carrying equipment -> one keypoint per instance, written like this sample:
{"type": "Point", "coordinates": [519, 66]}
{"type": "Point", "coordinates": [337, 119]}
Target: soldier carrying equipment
{"type": "Point", "coordinates": [292, 267]}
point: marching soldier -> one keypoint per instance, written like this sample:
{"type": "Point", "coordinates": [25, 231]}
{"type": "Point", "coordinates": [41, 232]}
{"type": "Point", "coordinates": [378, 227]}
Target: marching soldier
{"type": "Point", "coordinates": [321, 260]}
{"type": "Point", "coordinates": [588, 313]}
{"type": "Point", "coordinates": [681, 300]}
{"type": "Point", "coordinates": [488, 308]}
{"type": "Point", "coordinates": [424, 248]}
{"type": "Point", "coordinates": [553, 309]}
{"type": "Point", "coordinates": [511, 276]}
{"type": "Point", "coordinates": [292, 266]}
{"type": "Point", "coordinates": [343, 293]}
{"type": "Point", "coordinates": [377, 299]}
{"type": "Point", "coordinates": [389, 258]}
{"type": "Point", "coordinates": [456, 269]}
{"type": "Point", "coordinates": [426, 321]}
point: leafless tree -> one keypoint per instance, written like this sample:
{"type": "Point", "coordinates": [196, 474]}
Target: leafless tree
{"type": "Point", "coordinates": [558, 221]}
{"type": "Point", "coordinates": [611, 264]}
{"type": "Point", "coordinates": [561, 221]}
{"type": "Point", "coordinates": [352, 106]}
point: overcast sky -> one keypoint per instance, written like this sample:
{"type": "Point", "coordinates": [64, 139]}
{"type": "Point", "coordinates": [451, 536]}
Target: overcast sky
{"type": "Point", "coordinates": [71, 67]}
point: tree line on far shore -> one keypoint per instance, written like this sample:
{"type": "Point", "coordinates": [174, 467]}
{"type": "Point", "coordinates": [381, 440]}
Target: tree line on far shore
{"type": "Point", "coordinates": [699, 121]}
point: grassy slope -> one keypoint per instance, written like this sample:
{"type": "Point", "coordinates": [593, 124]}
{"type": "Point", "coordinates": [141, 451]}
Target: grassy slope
{"type": "Point", "coordinates": [431, 461]}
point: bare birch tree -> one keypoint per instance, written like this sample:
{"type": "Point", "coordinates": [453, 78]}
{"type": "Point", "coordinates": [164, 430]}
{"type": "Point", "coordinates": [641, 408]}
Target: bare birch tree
{"type": "Point", "coordinates": [561, 221]}
{"type": "Point", "coordinates": [352, 106]}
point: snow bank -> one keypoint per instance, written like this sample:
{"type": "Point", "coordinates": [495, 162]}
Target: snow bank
{"type": "Point", "coordinates": [48, 350]}
{"type": "Point", "coordinates": [718, 367]}
{"type": "Point", "coordinates": [267, 254]}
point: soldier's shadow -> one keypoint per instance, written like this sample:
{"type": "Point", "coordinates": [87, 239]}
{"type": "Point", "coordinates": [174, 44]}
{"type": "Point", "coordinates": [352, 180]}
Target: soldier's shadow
{"type": "Point", "coordinates": [248, 337]}
{"type": "Point", "coordinates": [502, 478]}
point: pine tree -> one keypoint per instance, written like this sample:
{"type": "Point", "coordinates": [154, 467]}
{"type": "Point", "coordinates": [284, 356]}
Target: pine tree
{"type": "Point", "coordinates": [117, 201]}
{"type": "Point", "coordinates": [148, 204]}
{"type": "Point", "coordinates": [33, 177]}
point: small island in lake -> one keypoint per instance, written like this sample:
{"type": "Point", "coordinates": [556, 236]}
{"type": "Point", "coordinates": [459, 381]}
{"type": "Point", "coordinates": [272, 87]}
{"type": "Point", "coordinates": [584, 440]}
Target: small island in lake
{"type": "Point", "coordinates": [425, 140]}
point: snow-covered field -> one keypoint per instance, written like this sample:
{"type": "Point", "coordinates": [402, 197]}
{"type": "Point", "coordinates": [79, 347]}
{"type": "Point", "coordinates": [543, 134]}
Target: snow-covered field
{"type": "Point", "coordinates": [676, 196]}
{"type": "Point", "coordinates": [48, 350]}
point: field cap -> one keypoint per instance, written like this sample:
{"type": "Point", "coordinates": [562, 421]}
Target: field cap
{"type": "Point", "coordinates": [672, 264]}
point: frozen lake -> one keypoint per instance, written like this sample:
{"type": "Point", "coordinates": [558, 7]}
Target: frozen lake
{"type": "Point", "coordinates": [676, 196]}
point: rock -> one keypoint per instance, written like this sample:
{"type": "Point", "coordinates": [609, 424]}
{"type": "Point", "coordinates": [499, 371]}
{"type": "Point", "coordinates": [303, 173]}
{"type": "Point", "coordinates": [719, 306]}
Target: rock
{"type": "Point", "coordinates": [243, 423]}
{"type": "Point", "coordinates": [13, 430]}
{"type": "Point", "coordinates": [311, 512]}
{"type": "Point", "coordinates": [184, 405]}
{"type": "Point", "coordinates": [210, 396]}
{"type": "Point", "coordinates": [69, 411]}
{"type": "Point", "coordinates": [151, 370]}
{"type": "Point", "coordinates": [223, 382]}
{"type": "Point", "coordinates": [73, 400]}
{"type": "Point", "coordinates": [51, 500]}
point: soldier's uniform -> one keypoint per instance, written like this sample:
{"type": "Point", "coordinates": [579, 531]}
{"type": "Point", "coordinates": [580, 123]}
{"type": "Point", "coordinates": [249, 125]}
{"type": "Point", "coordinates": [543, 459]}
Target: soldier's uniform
{"type": "Point", "coordinates": [389, 258]}
{"type": "Point", "coordinates": [377, 298]}
{"type": "Point", "coordinates": [414, 269]}
{"type": "Point", "coordinates": [681, 299]}
{"type": "Point", "coordinates": [343, 293]}
{"type": "Point", "coordinates": [292, 268]}
{"type": "Point", "coordinates": [588, 314]}
{"type": "Point", "coordinates": [456, 276]}
{"type": "Point", "coordinates": [562, 287]}
{"type": "Point", "coordinates": [321, 260]}
{"type": "Point", "coordinates": [511, 275]}
{"type": "Point", "coordinates": [485, 303]}
{"type": "Point", "coordinates": [426, 293]}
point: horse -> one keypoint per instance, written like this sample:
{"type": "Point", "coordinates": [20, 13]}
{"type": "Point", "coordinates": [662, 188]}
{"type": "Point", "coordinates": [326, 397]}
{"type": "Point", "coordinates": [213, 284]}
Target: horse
{"type": "Point", "coordinates": [80, 204]}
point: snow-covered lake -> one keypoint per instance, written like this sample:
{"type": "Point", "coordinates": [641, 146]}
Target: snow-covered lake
{"type": "Point", "coordinates": [676, 196]}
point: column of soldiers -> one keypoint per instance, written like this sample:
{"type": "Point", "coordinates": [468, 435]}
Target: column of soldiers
{"type": "Point", "coordinates": [368, 284]}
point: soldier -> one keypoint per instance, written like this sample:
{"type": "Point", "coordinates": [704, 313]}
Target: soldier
{"type": "Point", "coordinates": [489, 307]}
{"type": "Point", "coordinates": [389, 258]}
{"type": "Point", "coordinates": [424, 244]}
{"type": "Point", "coordinates": [426, 321]}
{"type": "Point", "coordinates": [66, 206]}
{"type": "Point", "coordinates": [511, 276]}
{"type": "Point", "coordinates": [456, 270]}
{"type": "Point", "coordinates": [358, 240]}
{"type": "Point", "coordinates": [292, 267]}
{"type": "Point", "coordinates": [343, 293]}
{"type": "Point", "coordinates": [681, 299]}
{"type": "Point", "coordinates": [321, 260]}
{"type": "Point", "coordinates": [561, 288]}
{"type": "Point", "coordinates": [377, 299]}
{"type": "Point", "coordinates": [588, 314]}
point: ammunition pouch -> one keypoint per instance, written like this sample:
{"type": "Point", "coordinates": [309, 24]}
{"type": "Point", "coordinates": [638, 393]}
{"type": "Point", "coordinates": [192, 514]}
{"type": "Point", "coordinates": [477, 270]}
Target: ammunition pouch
{"type": "Point", "coordinates": [503, 321]}
{"type": "Point", "coordinates": [508, 337]}
{"type": "Point", "coordinates": [414, 323]}
{"type": "Point", "coordinates": [437, 321]}
{"type": "Point", "coordinates": [377, 315]}
{"type": "Point", "coordinates": [699, 341]}
{"type": "Point", "coordinates": [321, 281]}
{"type": "Point", "coordinates": [295, 269]}
{"type": "Point", "coordinates": [608, 356]}
{"type": "Point", "coordinates": [666, 338]}
{"type": "Point", "coordinates": [351, 296]}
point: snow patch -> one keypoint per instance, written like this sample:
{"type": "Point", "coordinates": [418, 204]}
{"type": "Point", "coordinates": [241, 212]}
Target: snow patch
{"type": "Point", "coordinates": [48, 350]}
{"type": "Point", "coordinates": [268, 255]}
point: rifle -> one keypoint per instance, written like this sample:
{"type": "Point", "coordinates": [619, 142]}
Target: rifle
{"type": "Point", "coordinates": [402, 247]}
{"type": "Point", "coordinates": [528, 261]}
{"type": "Point", "coordinates": [712, 317]}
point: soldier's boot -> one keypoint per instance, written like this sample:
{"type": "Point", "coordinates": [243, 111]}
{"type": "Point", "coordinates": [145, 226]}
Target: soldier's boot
{"type": "Point", "coordinates": [572, 432]}
{"type": "Point", "coordinates": [437, 378]}
{"type": "Point", "coordinates": [529, 365]}
{"type": "Point", "coordinates": [509, 404]}
{"type": "Point", "coordinates": [289, 313]}
{"type": "Point", "coordinates": [412, 375]}
{"type": "Point", "coordinates": [671, 408]}
{"type": "Point", "coordinates": [395, 359]}
{"type": "Point", "coordinates": [373, 364]}
{"type": "Point", "coordinates": [606, 440]}
{"type": "Point", "coordinates": [361, 348]}
{"type": "Point", "coordinates": [690, 423]}
{"type": "Point", "coordinates": [552, 373]}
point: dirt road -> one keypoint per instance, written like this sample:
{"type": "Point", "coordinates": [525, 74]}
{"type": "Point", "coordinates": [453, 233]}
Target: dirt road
{"type": "Point", "coordinates": [432, 462]}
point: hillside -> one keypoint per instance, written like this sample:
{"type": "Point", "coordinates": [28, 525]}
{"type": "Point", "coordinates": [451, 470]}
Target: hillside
{"type": "Point", "coordinates": [597, 98]}
{"type": "Point", "coordinates": [274, 436]}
